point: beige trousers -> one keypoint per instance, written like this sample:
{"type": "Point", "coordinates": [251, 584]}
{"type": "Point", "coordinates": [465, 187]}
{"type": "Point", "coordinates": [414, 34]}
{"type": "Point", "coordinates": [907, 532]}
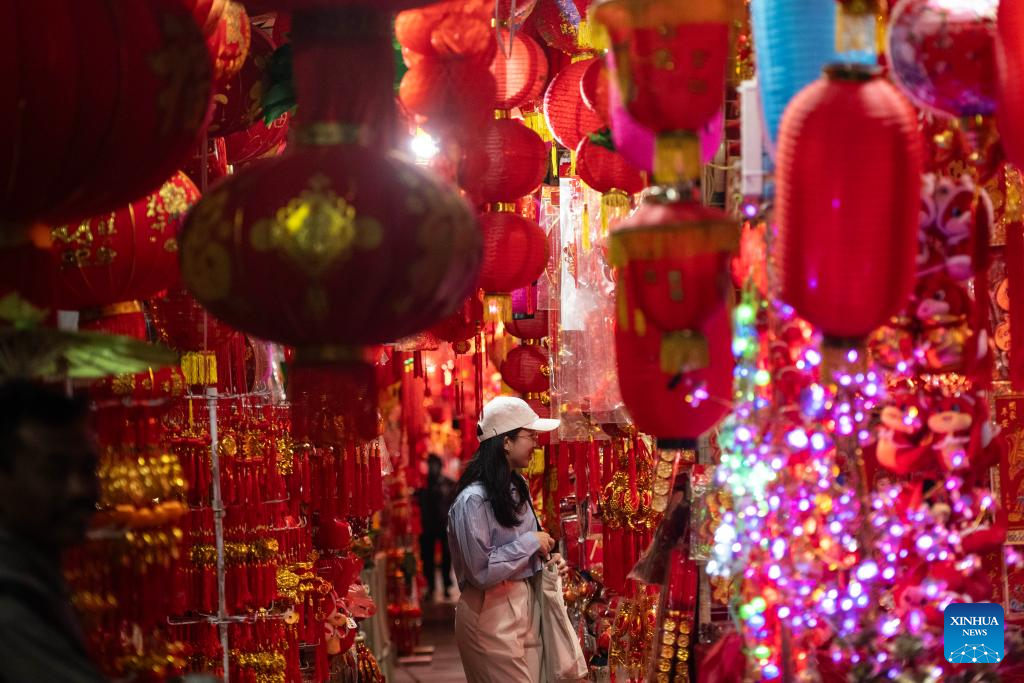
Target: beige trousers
{"type": "Point", "coordinates": [498, 632]}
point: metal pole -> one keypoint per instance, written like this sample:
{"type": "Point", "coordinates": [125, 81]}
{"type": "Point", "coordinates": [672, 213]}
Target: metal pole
{"type": "Point", "coordinates": [218, 530]}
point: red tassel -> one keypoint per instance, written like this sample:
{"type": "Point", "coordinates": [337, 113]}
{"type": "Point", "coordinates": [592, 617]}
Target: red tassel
{"type": "Point", "coordinates": [1015, 283]}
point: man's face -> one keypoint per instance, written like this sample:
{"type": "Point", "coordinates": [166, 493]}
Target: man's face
{"type": "Point", "coordinates": [49, 492]}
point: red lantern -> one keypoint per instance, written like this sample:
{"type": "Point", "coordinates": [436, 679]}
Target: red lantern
{"type": "Point", "coordinates": [1010, 71]}
{"type": "Point", "coordinates": [510, 161]}
{"type": "Point", "coordinates": [672, 273]}
{"type": "Point", "coordinates": [454, 29]}
{"type": "Point", "coordinates": [123, 256]}
{"type": "Point", "coordinates": [557, 22]}
{"type": "Point", "coordinates": [520, 71]}
{"type": "Point", "coordinates": [529, 328]}
{"type": "Point", "coordinates": [595, 89]}
{"type": "Point", "coordinates": [183, 324]}
{"type": "Point", "coordinates": [257, 140]}
{"type": "Point", "coordinates": [849, 236]}
{"type": "Point", "coordinates": [216, 162]}
{"type": "Point", "coordinates": [106, 105]}
{"type": "Point", "coordinates": [239, 100]}
{"type": "Point", "coordinates": [515, 252]}
{"type": "Point", "coordinates": [527, 369]}
{"type": "Point", "coordinates": [605, 170]}
{"type": "Point", "coordinates": [452, 96]}
{"type": "Point", "coordinates": [336, 242]}
{"type": "Point", "coordinates": [568, 117]}
{"type": "Point", "coordinates": [231, 42]}
{"type": "Point", "coordinates": [676, 407]}
{"type": "Point", "coordinates": [463, 324]}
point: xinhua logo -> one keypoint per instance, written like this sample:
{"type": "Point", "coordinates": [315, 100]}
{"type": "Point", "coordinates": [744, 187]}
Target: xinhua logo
{"type": "Point", "coordinates": [973, 633]}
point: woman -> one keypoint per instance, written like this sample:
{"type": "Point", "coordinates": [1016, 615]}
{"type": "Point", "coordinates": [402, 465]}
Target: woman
{"type": "Point", "coordinates": [498, 547]}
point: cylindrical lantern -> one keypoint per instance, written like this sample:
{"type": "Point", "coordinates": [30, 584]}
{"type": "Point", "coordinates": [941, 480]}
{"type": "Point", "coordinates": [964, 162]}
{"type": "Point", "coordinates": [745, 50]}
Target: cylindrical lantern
{"type": "Point", "coordinates": [671, 260]}
{"type": "Point", "coordinates": [568, 116]}
{"type": "Point", "coordinates": [105, 104]}
{"type": "Point", "coordinates": [527, 369]}
{"type": "Point", "coordinates": [337, 242]}
{"type": "Point", "coordinates": [508, 162]}
{"type": "Point", "coordinates": [794, 40]}
{"type": "Point", "coordinates": [848, 225]}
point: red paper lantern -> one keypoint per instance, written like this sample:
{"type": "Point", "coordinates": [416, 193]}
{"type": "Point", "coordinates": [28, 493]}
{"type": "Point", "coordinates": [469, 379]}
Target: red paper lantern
{"type": "Point", "coordinates": [527, 369]}
{"type": "Point", "coordinates": [122, 256]}
{"type": "Point", "coordinates": [520, 71]}
{"type": "Point", "coordinates": [451, 96]}
{"type": "Point", "coordinates": [671, 260]}
{"type": "Point", "coordinates": [239, 99]}
{"type": "Point", "coordinates": [568, 117]}
{"type": "Point", "coordinates": [508, 162]}
{"type": "Point", "coordinates": [677, 408]}
{"type": "Point", "coordinates": [260, 6]}
{"type": "Point", "coordinates": [337, 242]}
{"type": "Point", "coordinates": [463, 324]}
{"type": "Point", "coordinates": [454, 29]}
{"type": "Point", "coordinates": [849, 235]}
{"type": "Point", "coordinates": [515, 252]}
{"type": "Point", "coordinates": [257, 140]}
{"type": "Point", "coordinates": [557, 22]}
{"type": "Point", "coordinates": [207, 13]}
{"type": "Point", "coordinates": [529, 328]}
{"type": "Point", "coordinates": [606, 170]}
{"type": "Point", "coordinates": [594, 87]}
{"type": "Point", "coordinates": [183, 324]}
{"type": "Point", "coordinates": [106, 104]}
{"type": "Point", "coordinates": [1010, 71]}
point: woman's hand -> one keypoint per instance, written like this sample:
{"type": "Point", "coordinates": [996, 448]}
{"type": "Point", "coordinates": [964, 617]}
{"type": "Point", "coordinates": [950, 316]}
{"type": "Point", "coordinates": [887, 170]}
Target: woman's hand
{"type": "Point", "coordinates": [546, 542]}
{"type": "Point", "coordinates": [563, 566]}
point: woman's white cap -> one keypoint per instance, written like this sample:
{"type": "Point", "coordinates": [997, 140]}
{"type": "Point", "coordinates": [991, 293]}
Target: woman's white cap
{"type": "Point", "coordinates": [505, 414]}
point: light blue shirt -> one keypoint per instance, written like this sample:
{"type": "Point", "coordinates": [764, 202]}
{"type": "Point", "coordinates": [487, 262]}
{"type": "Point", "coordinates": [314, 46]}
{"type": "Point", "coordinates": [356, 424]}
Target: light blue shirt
{"type": "Point", "coordinates": [484, 553]}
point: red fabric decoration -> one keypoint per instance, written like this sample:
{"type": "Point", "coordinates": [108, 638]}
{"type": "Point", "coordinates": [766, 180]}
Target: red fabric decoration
{"type": "Point", "coordinates": [452, 96]}
{"type": "Point", "coordinates": [510, 161]}
{"type": "Point", "coordinates": [1010, 72]}
{"type": "Point", "coordinates": [257, 140]}
{"type": "Point", "coordinates": [657, 401]}
{"type": "Point", "coordinates": [239, 99]}
{"type": "Point", "coordinates": [515, 252]}
{"type": "Point", "coordinates": [337, 242]}
{"type": "Point", "coordinates": [123, 256]}
{"type": "Point", "coordinates": [103, 105]}
{"type": "Point", "coordinates": [521, 75]}
{"type": "Point", "coordinates": [183, 324]}
{"type": "Point", "coordinates": [529, 328]}
{"type": "Point", "coordinates": [527, 369]}
{"type": "Point", "coordinates": [849, 236]}
{"type": "Point", "coordinates": [568, 117]}
{"type": "Point", "coordinates": [605, 170]}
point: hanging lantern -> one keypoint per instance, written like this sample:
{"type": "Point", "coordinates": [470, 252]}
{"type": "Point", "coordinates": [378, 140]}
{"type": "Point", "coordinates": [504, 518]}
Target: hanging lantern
{"type": "Point", "coordinates": [336, 242]}
{"type": "Point", "coordinates": [462, 325]}
{"type": "Point", "coordinates": [529, 328]}
{"type": "Point", "coordinates": [595, 88]}
{"type": "Point", "coordinates": [567, 115]}
{"type": "Point", "coordinates": [672, 262]}
{"type": "Point", "coordinates": [514, 255]}
{"type": "Point", "coordinates": [527, 369]}
{"type": "Point", "coordinates": [449, 96]}
{"type": "Point", "coordinates": [138, 68]}
{"type": "Point", "coordinates": [1010, 72]}
{"type": "Point", "coordinates": [181, 323]}
{"type": "Point", "coordinates": [670, 61]}
{"type": "Point", "coordinates": [558, 23]}
{"type": "Point", "coordinates": [607, 172]}
{"type": "Point", "coordinates": [239, 99]}
{"type": "Point", "coordinates": [521, 72]}
{"type": "Point", "coordinates": [257, 140]}
{"type": "Point", "coordinates": [231, 41]}
{"type": "Point", "coordinates": [848, 237]}
{"type": "Point", "coordinates": [675, 407]}
{"type": "Point", "coordinates": [216, 162]}
{"type": "Point", "coordinates": [942, 55]}
{"type": "Point", "coordinates": [794, 40]}
{"type": "Point", "coordinates": [508, 162]}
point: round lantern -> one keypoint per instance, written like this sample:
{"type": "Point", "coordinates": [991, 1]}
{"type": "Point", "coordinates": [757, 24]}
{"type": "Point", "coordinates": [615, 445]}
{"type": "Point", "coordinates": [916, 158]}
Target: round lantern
{"type": "Point", "coordinates": [568, 116]}
{"type": "Point", "coordinates": [183, 324]}
{"type": "Point", "coordinates": [126, 255]}
{"type": "Point", "coordinates": [942, 55]}
{"type": "Point", "coordinates": [336, 242]}
{"type": "Point", "coordinates": [231, 41]}
{"type": "Point", "coordinates": [216, 162]}
{"type": "Point", "coordinates": [448, 30]}
{"type": "Point", "coordinates": [605, 170]}
{"type": "Point", "coordinates": [520, 70]}
{"type": "Point", "coordinates": [463, 324]}
{"type": "Point", "coordinates": [529, 328]}
{"type": "Point", "coordinates": [515, 252]}
{"type": "Point", "coordinates": [677, 408]}
{"type": "Point", "coordinates": [455, 96]}
{"type": "Point", "coordinates": [105, 105]}
{"type": "Point", "coordinates": [672, 261]}
{"type": "Point", "coordinates": [848, 236]}
{"type": "Point", "coordinates": [527, 369]}
{"type": "Point", "coordinates": [239, 99]}
{"type": "Point", "coordinates": [1010, 63]}
{"type": "Point", "coordinates": [257, 140]}
{"type": "Point", "coordinates": [595, 88]}
{"type": "Point", "coordinates": [557, 22]}
{"type": "Point", "coordinates": [794, 40]}
{"type": "Point", "coordinates": [508, 162]}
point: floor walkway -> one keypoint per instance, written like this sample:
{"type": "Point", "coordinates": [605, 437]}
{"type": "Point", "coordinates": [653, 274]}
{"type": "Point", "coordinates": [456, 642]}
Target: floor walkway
{"type": "Point", "coordinates": [439, 631]}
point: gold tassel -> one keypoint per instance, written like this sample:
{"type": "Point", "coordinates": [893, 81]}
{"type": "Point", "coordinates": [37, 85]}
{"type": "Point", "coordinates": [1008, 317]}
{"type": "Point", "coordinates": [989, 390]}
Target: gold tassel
{"type": "Point", "coordinates": [676, 158]}
{"type": "Point", "coordinates": [585, 228]}
{"type": "Point", "coordinates": [536, 122]}
{"type": "Point", "coordinates": [614, 207]}
{"type": "Point", "coordinates": [683, 351]}
{"type": "Point", "coordinates": [199, 367]}
{"type": "Point", "coordinates": [593, 36]}
{"type": "Point", "coordinates": [497, 307]}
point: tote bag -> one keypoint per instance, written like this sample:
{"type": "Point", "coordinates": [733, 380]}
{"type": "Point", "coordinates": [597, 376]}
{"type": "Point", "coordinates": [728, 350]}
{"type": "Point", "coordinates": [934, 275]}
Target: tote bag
{"type": "Point", "coordinates": [563, 656]}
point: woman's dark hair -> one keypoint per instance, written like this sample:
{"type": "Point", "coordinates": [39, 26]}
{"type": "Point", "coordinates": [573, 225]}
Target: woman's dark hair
{"type": "Point", "coordinates": [490, 467]}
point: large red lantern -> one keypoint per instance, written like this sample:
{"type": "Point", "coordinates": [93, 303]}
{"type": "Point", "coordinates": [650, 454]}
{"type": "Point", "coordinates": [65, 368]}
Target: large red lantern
{"type": "Point", "coordinates": [672, 273]}
{"type": "Point", "coordinates": [568, 116]}
{"type": "Point", "coordinates": [675, 407]}
{"type": "Point", "coordinates": [450, 96]}
{"type": "Point", "coordinates": [1010, 70]}
{"type": "Point", "coordinates": [520, 70]}
{"type": "Point", "coordinates": [106, 104]}
{"type": "Point", "coordinates": [515, 251]}
{"type": "Point", "coordinates": [527, 369]}
{"type": "Point", "coordinates": [848, 236]}
{"type": "Point", "coordinates": [126, 255]}
{"type": "Point", "coordinates": [558, 22]}
{"type": "Point", "coordinates": [257, 140]}
{"type": "Point", "coordinates": [183, 324]}
{"type": "Point", "coordinates": [239, 99]}
{"type": "Point", "coordinates": [463, 324]}
{"type": "Point", "coordinates": [508, 162]}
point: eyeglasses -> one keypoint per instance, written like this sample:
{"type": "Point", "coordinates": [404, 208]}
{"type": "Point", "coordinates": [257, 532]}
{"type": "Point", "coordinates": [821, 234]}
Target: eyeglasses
{"type": "Point", "coordinates": [529, 435]}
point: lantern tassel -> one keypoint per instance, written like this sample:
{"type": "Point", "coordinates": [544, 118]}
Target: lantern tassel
{"type": "Point", "coordinates": [498, 308]}
{"type": "Point", "coordinates": [683, 351]}
{"type": "Point", "coordinates": [614, 207]}
{"type": "Point", "coordinates": [199, 367]}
